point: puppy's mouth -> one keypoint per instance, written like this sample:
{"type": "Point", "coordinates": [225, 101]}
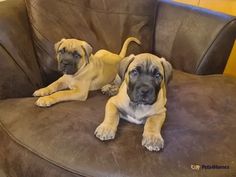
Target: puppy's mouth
{"type": "Point", "coordinates": [67, 68]}
{"type": "Point", "coordinates": [68, 71]}
{"type": "Point", "coordinates": [143, 96]}
{"type": "Point", "coordinates": [140, 99]}
{"type": "Point", "coordinates": [68, 62]}
{"type": "Point", "coordinates": [143, 101]}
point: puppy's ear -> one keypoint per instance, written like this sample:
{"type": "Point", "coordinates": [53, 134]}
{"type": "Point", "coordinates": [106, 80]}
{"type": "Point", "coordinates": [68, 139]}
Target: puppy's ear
{"type": "Point", "coordinates": [124, 64]}
{"type": "Point", "coordinates": [167, 70]}
{"type": "Point", "coordinates": [58, 44]}
{"type": "Point", "coordinates": [87, 50]}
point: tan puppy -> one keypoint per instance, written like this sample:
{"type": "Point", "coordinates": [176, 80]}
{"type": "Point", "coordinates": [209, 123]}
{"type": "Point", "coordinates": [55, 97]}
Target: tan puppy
{"type": "Point", "coordinates": [82, 70]}
{"type": "Point", "coordinates": [141, 99]}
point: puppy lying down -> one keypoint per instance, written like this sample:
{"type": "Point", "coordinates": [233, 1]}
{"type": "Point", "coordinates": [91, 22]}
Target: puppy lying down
{"type": "Point", "coordinates": [82, 70]}
{"type": "Point", "coordinates": [141, 98]}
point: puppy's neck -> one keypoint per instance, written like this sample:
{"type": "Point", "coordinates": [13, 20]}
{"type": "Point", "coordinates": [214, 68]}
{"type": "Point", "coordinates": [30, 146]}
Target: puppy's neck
{"type": "Point", "coordinates": [135, 106]}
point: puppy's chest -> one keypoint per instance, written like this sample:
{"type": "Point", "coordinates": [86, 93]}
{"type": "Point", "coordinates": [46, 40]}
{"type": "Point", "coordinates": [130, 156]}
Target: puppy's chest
{"type": "Point", "coordinates": [136, 113]}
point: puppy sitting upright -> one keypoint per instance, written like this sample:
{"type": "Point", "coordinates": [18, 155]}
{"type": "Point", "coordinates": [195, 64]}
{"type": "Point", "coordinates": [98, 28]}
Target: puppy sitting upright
{"type": "Point", "coordinates": [82, 71]}
{"type": "Point", "coordinates": [141, 99]}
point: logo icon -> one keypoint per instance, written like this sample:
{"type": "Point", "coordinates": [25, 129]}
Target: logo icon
{"type": "Point", "coordinates": [195, 167]}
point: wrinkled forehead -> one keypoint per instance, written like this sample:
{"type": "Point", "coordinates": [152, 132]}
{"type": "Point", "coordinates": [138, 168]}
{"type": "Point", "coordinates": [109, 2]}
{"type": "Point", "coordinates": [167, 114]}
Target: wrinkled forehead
{"type": "Point", "coordinates": [71, 45]}
{"type": "Point", "coordinates": [147, 63]}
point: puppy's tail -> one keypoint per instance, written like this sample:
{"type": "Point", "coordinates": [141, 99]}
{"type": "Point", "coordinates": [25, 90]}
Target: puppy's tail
{"type": "Point", "coordinates": [125, 45]}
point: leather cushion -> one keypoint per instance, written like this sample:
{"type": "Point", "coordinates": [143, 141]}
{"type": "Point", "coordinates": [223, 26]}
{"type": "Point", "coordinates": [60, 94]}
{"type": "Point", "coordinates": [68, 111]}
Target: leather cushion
{"type": "Point", "coordinates": [200, 129]}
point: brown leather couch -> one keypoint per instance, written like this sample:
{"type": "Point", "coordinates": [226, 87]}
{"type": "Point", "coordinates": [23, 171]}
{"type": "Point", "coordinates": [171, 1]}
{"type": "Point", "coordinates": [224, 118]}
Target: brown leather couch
{"type": "Point", "coordinates": [59, 141]}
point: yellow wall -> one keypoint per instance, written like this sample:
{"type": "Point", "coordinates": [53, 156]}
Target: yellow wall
{"type": "Point", "coordinates": [226, 6]}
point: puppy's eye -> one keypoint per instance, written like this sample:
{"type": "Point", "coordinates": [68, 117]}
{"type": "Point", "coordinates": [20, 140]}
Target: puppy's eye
{"type": "Point", "coordinates": [76, 55]}
{"type": "Point", "coordinates": [134, 72]}
{"type": "Point", "coordinates": [157, 75]}
{"type": "Point", "coordinates": [63, 50]}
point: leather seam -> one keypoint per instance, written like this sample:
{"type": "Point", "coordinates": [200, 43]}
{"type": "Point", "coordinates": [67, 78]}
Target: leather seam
{"type": "Point", "coordinates": [9, 54]}
{"type": "Point", "coordinates": [205, 76]}
{"type": "Point", "coordinates": [37, 43]}
{"type": "Point", "coordinates": [215, 39]}
{"type": "Point", "coordinates": [41, 156]}
{"type": "Point", "coordinates": [32, 39]}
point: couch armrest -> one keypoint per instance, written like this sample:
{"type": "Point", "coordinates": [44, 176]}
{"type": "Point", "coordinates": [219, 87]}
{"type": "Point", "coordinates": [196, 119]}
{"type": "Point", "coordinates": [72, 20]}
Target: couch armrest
{"type": "Point", "coordinates": [19, 70]}
{"type": "Point", "coordinates": [193, 39]}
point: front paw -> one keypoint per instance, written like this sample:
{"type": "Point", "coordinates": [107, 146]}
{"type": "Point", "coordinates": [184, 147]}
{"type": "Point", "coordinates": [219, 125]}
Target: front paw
{"type": "Point", "coordinates": [45, 101]}
{"type": "Point", "coordinates": [152, 141]}
{"type": "Point", "coordinates": [105, 132]}
{"type": "Point", "coordinates": [42, 92]}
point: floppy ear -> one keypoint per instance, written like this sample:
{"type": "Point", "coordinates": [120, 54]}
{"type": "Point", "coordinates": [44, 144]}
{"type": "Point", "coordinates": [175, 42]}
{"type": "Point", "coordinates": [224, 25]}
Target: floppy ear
{"type": "Point", "coordinates": [87, 50]}
{"type": "Point", "coordinates": [58, 44]}
{"type": "Point", "coordinates": [167, 70]}
{"type": "Point", "coordinates": [124, 64]}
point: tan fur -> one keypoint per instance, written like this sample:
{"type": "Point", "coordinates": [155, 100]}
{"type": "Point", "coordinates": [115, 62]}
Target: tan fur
{"type": "Point", "coordinates": [93, 73]}
{"type": "Point", "coordinates": [155, 114]}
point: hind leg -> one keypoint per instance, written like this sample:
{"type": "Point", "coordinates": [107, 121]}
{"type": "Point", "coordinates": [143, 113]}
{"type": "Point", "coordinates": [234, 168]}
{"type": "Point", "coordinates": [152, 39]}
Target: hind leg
{"type": "Point", "coordinates": [112, 88]}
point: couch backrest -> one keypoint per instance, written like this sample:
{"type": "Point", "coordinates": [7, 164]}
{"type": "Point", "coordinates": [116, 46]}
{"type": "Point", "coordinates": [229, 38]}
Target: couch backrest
{"type": "Point", "coordinates": [193, 39]}
{"type": "Point", "coordinates": [19, 71]}
{"type": "Point", "coordinates": [102, 23]}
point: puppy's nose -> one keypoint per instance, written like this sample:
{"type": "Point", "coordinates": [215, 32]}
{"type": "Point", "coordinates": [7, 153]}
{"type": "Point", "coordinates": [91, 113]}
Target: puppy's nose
{"type": "Point", "coordinates": [144, 90]}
